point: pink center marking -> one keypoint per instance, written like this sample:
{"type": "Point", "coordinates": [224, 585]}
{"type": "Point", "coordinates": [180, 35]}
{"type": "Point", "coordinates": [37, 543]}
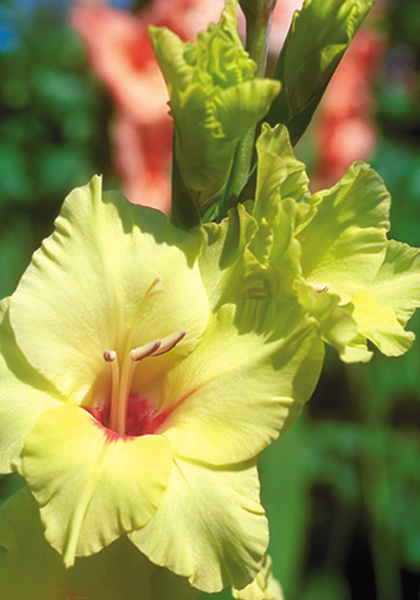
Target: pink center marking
{"type": "Point", "coordinates": [142, 418]}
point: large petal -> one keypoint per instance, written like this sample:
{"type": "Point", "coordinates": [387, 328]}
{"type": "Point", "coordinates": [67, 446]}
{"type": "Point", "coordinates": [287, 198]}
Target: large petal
{"type": "Point", "coordinates": [245, 383]}
{"type": "Point", "coordinates": [92, 485]}
{"type": "Point", "coordinates": [210, 527]}
{"type": "Point", "coordinates": [30, 568]}
{"type": "Point", "coordinates": [343, 246]}
{"type": "Point", "coordinates": [112, 275]}
{"type": "Point", "coordinates": [24, 396]}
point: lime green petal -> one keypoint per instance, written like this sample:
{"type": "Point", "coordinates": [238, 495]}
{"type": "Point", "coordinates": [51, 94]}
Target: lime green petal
{"type": "Point", "coordinates": [343, 245]}
{"type": "Point", "coordinates": [229, 271]}
{"type": "Point", "coordinates": [280, 173]}
{"type": "Point", "coordinates": [356, 351]}
{"type": "Point", "coordinates": [92, 486]}
{"type": "Point", "coordinates": [24, 396]}
{"type": "Point", "coordinates": [281, 182]}
{"type": "Point", "coordinates": [397, 283]}
{"type": "Point", "coordinates": [264, 586]}
{"type": "Point", "coordinates": [239, 108]}
{"type": "Point", "coordinates": [245, 383]}
{"type": "Point", "coordinates": [31, 569]}
{"type": "Point", "coordinates": [380, 325]}
{"type": "Point", "coordinates": [112, 276]}
{"type": "Point", "coordinates": [337, 325]}
{"type": "Point", "coordinates": [210, 526]}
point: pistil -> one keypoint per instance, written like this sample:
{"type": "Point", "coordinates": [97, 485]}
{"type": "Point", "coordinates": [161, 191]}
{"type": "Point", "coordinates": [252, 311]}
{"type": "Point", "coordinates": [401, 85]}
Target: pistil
{"type": "Point", "coordinates": [121, 382]}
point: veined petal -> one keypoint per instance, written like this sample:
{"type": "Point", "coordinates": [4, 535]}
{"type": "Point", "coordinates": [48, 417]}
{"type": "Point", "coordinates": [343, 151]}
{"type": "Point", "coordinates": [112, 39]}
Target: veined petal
{"type": "Point", "coordinates": [215, 539]}
{"type": "Point", "coordinates": [112, 275]}
{"type": "Point", "coordinates": [92, 485]}
{"type": "Point", "coordinates": [244, 384]}
{"type": "Point", "coordinates": [30, 568]}
{"type": "Point", "coordinates": [24, 396]}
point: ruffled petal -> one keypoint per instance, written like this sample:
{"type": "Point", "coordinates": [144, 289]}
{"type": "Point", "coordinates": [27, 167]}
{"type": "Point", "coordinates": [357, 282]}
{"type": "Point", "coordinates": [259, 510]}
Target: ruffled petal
{"type": "Point", "coordinates": [397, 283]}
{"type": "Point", "coordinates": [210, 527]}
{"type": "Point", "coordinates": [92, 485]}
{"type": "Point", "coordinates": [343, 245]}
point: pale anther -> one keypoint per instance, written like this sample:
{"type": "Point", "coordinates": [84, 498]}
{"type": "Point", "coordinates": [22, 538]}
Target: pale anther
{"type": "Point", "coordinates": [144, 351]}
{"type": "Point", "coordinates": [169, 342]}
{"type": "Point", "coordinates": [320, 289]}
{"type": "Point", "coordinates": [109, 355]}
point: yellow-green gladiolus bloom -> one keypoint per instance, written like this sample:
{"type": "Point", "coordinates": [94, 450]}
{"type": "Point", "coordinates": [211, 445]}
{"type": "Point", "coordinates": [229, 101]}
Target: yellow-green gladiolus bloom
{"type": "Point", "coordinates": [136, 395]}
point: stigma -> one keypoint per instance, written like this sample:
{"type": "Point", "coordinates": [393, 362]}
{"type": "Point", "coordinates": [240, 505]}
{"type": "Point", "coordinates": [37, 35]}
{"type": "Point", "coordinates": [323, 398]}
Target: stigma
{"type": "Point", "coordinates": [122, 375]}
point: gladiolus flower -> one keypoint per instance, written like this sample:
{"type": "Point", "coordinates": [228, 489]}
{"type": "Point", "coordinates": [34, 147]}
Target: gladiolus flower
{"type": "Point", "coordinates": [137, 393]}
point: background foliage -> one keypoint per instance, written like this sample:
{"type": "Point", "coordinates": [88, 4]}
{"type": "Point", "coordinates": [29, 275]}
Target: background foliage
{"type": "Point", "coordinates": [342, 489]}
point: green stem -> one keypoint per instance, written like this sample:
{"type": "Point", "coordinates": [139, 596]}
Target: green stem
{"type": "Point", "coordinates": [258, 14]}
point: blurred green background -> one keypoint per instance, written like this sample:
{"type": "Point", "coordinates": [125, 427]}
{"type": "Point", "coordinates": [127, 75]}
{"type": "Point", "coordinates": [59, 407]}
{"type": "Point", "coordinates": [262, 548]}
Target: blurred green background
{"type": "Point", "coordinates": [342, 488]}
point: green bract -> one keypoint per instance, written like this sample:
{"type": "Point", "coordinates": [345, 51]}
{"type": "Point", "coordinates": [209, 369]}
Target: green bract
{"type": "Point", "coordinates": [142, 370]}
{"type": "Point", "coordinates": [320, 33]}
{"type": "Point", "coordinates": [214, 101]}
{"type": "Point", "coordinates": [332, 249]}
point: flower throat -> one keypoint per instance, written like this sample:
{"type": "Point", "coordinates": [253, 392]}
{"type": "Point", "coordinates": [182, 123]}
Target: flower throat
{"type": "Point", "coordinates": [122, 375]}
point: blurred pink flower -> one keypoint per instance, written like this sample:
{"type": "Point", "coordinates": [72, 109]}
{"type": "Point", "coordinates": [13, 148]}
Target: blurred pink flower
{"type": "Point", "coordinates": [121, 56]}
{"type": "Point", "coordinates": [282, 19]}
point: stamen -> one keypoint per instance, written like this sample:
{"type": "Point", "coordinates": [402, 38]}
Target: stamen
{"type": "Point", "coordinates": [121, 383]}
{"type": "Point", "coordinates": [319, 289]}
{"type": "Point", "coordinates": [110, 356]}
{"type": "Point", "coordinates": [169, 342]}
{"type": "Point", "coordinates": [143, 351]}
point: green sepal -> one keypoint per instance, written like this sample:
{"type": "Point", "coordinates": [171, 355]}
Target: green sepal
{"type": "Point", "coordinates": [214, 101]}
{"type": "Point", "coordinates": [31, 568]}
{"type": "Point", "coordinates": [320, 34]}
